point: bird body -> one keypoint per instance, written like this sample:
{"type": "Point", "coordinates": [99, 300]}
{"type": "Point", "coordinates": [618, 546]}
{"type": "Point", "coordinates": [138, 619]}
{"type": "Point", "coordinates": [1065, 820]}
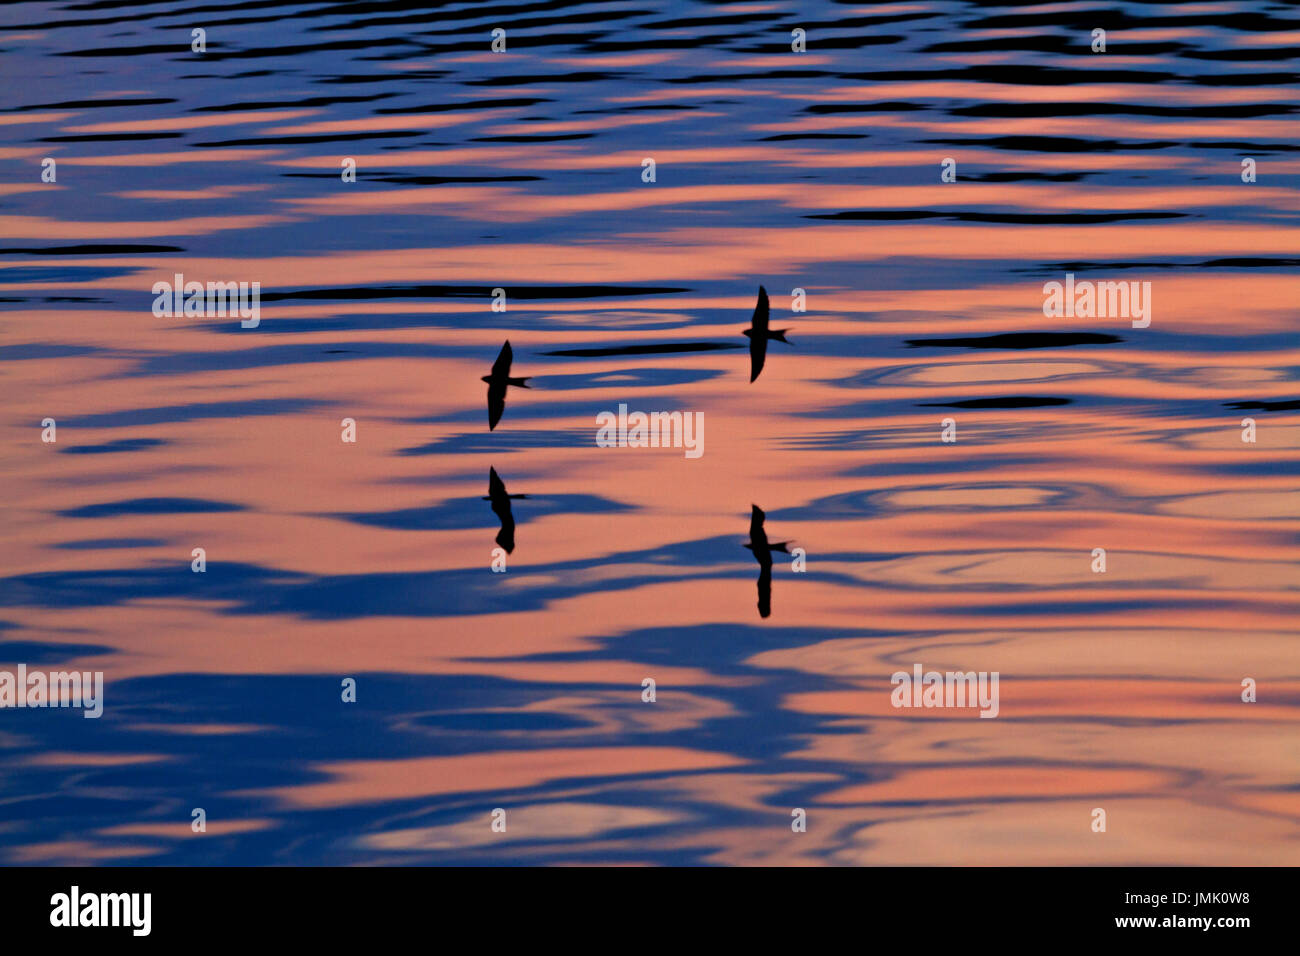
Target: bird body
{"type": "Point", "coordinates": [497, 383]}
{"type": "Point", "coordinates": [501, 508]}
{"type": "Point", "coordinates": [760, 333]}
{"type": "Point", "coordinates": [762, 549]}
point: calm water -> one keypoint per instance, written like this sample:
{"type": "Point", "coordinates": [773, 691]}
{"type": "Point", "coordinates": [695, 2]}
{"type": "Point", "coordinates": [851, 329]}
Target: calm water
{"type": "Point", "coordinates": [522, 690]}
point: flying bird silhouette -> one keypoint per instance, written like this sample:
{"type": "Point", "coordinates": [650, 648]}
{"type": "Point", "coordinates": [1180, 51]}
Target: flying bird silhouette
{"type": "Point", "coordinates": [759, 333]}
{"type": "Point", "coordinates": [501, 508]}
{"type": "Point", "coordinates": [497, 383]}
{"type": "Point", "coordinates": [763, 549]}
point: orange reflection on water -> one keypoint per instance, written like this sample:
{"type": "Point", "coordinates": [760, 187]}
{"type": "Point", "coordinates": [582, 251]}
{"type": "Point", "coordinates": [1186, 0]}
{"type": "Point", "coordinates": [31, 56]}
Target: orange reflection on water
{"type": "Point", "coordinates": [524, 689]}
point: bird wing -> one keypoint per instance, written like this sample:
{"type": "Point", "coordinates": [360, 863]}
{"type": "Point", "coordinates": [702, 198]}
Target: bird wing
{"type": "Point", "coordinates": [506, 536]}
{"type": "Point", "coordinates": [501, 367]}
{"type": "Point", "coordinates": [758, 535]}
{"type": "Point", "coordinates": [757, 354]}
{"type": "Point", "coordinates": [496, 487]}
{"type": "Point", "coordinates": [760, 319]}
{"type": "Point", "coordinates": [496, 404]}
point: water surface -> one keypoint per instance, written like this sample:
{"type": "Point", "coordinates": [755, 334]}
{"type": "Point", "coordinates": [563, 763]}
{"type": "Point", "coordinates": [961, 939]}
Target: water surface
{"type": "Point", "coordinates": [522, 170]}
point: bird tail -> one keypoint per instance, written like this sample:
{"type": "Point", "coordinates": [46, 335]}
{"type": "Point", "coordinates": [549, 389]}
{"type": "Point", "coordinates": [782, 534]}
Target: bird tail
{"type": "Point", "coordinates": [779, 335]}
{"type": "Point", "coordinates": [519, 381]}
